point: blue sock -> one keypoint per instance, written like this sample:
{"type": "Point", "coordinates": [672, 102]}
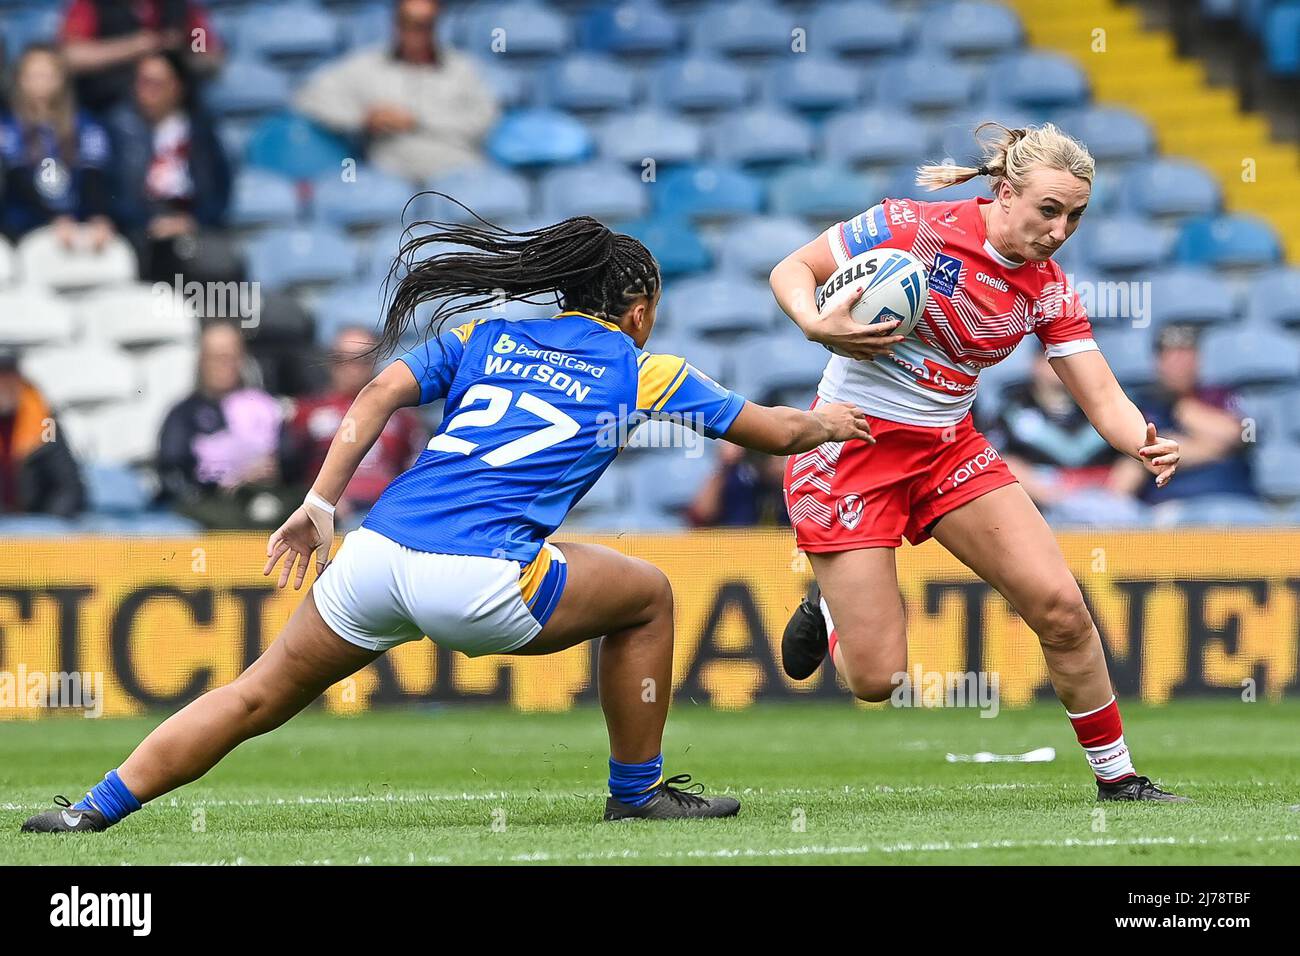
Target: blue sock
{"type": "Point", "coordinates": [634, 783]}
{"type": "Point", "coordinates": [110, 797]}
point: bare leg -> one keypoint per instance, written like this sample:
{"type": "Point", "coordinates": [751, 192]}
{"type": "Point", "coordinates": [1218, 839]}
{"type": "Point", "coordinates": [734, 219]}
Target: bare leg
{"type": "Point", "coordinates": [861, 589]}
{"type": "Point", "coordinates": [306, 659]}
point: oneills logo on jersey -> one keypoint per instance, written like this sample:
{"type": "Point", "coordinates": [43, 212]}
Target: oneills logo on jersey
{"type": "Point", "coordinates": [849, 510]}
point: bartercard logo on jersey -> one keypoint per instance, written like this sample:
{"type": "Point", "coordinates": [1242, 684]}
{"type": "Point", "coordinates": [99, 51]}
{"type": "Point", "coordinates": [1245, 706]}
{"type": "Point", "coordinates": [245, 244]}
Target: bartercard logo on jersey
{"type": "Point", "coordinates": [999, 284]}
{"type": "Point", "coordinates": [504, 345]}
{"type": "Point", "coordinates": [849, 510]}
{"type": "Point", "coordinates": [944, 274]}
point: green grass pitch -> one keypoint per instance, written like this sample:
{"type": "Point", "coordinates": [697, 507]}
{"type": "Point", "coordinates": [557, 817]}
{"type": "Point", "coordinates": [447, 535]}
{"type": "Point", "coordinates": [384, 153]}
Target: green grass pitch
{"type": "Point", "coordinates": [820, 783]}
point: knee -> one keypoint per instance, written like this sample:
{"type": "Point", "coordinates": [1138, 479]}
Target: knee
{"type": "Point", "coordinates": [873, 688]}
{"type": "Point", "coordinates": [658, 590]}
{"type": "Point", "coordinates": [1063, 623]}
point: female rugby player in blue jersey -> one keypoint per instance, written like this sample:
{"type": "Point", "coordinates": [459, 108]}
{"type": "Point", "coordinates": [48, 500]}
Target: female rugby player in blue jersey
{"type": "Point", "coordinates": [456, 548]}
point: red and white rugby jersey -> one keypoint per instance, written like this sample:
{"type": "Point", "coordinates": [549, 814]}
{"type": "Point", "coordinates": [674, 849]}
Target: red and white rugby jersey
{"type": "Point", "coordinates": [980, 306]}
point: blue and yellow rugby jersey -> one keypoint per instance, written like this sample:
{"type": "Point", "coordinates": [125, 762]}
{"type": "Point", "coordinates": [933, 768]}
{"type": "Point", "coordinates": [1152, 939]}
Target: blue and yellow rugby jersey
{"type": "Point", "coordinates": [536, 411]}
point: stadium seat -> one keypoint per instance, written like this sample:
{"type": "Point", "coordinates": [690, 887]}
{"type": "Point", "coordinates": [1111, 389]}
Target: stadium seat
{"type": "Point", "coordinates": [753, 246]}
{"type": "Point", "coordinates": [1113, 134]}
{"type": "Point", "coordinates": [1274, 298]}
{"type": "Point", "coordinates": [8, 263]}
{"type": "Point", "coordinates": [1190, 295]}
{"type": "Point", "coordinates": [743, 28]}
{"type": "Point", "coordinates": [1128, 353]}
{"type": "Point", "coordinates": [294, 146]}
{"type": "Point", "coordinates": [859, 27]}
{"type": "Point", "coordinates": [1281, 37]}
{"type": "Point", "coordinates": [352, 304]}
{"type": "Point", "coordinates": [44, 261]}
{"type": "Point", "coordinates": [494, 193]}
{"type": "Point", "coordinates": [1211, 511]}
{"type": "Point", "coordinates": [630, 29]}
{"type": "Point", "coordinates": [372, 198]}
{"type": "Point", "coordinates": [1126, 243]}
{"type": "Point", "coordinates": [104, 374]}
{"type": "Point", "coordinates": [968, 28]}
{"type": "Point", "coordinates": [32, 315]}
{"type": "Point", "coordinates": [718, 305]}
{"type": "Point", "coordinates": [1039, 80]}
{"type": "Point", "coordinates": [137, 314]}
{"type": "Point", "coordinates": [248, 87]}
{"type": "Point", "coordinates": [261, 198]}
{"type": "Point", "coordinates": [299, 255]}
{"type": "Point", "coordinates": [1232, 241]}
{"type": "Point", "coordinates": [872, 137]}
{"type": "Point", "coordinates": [583, 83]}
{"type": "Point", "coordinates": [651, 134]}
{"type": "Point", "coordinates": [152, 524]}
{"type": "Point", "coordinates": [22, 28]}
{"type": "Point", "coordinates": [516, 30]}
{"type": "Point", "coordinates": [1098, 508]}
{"type": "Point", "coordinates": [762, 137]}
{"type": "Point", "coordinates": [700, 83]}
{"type": "Point", "coordinates": [670, 479]}
{"type": "Point", "coordinates": [955, 134]}
{"type": "Point", "coordinates": [813, 83]}
{"type": "Point", "coordinates": [778, 361]}
{"type": "Point", "coordinates": [1234, 357]}
{"type": "Point", "coordinates": [288, 31]}
{"type": "Point", "coordinates": [708, 191]}
{"type": "Point", "coordinates": [926, 81]}
{"type": "Point", "coordinates": [36, 526]}
{"type": "Point", "coordinates": [606, 191]}
{"type": "Point", "coordinates": [538, 137]}
{"type": "Point", "coordinates": [510, 83]}
{"type": "Point", "coordinates": [1172, 187]}
{"type": "Point", "coordinates": [822, 192]}
{"type": "Point", "coordinates": [674, 243]}
{"type": "Point", "coordinates": [168, 373]}
{"type": "Point", "coordinates": [114, 488]}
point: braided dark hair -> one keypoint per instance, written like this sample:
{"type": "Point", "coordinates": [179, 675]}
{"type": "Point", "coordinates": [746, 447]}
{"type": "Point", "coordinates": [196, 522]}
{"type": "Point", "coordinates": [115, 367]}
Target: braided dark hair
{"type": "Point", "coordinates": [578, 264]}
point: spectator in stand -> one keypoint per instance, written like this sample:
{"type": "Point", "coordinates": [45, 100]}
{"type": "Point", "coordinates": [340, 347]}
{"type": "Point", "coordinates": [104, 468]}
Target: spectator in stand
{"type": "Point", "coordinates": [424, 108]}
{"type": "Point", "coordinates": [319, 418]}
{"type": "Point", "coordinates": [54, 156]}
{"type": "Point", "coordinates": [1047, 442]}
{"type": "Point", "coordinates": [38, 474]}
{"type": "Point", "coordinates": [218, 455]}
{"type": "Point", "coordinates": [171, 175]}
{"type": "Point", "coordinates": [744, 490]}
{"type": "Point", "coordinates": [104, 39]}
{"type": "Point", "coordinates": [1206, 422]}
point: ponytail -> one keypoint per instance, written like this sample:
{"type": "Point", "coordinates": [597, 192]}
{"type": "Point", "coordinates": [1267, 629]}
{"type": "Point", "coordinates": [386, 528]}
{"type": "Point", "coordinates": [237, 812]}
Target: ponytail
{"type": "Point", "coordinates": [1010, 154]}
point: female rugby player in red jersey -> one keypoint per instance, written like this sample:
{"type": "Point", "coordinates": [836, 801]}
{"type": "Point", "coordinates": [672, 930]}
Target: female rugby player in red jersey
{"type": "Point", "coordinates": [929, 472]}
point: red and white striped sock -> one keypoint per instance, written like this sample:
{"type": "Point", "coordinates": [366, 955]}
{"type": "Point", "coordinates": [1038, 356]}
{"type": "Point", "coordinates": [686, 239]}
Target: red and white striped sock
{"type": "Point", "coordinates": [1101, 735]}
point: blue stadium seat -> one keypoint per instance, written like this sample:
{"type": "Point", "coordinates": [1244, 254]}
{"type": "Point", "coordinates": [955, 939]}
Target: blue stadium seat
{"type": "Point", "coordinates": [25, 27]}
{"type": "Point", "coordinates": [1274, 298]}
{"type": "Point", "coordinates": [743, 28]}
{"type": "Point", "coordinates": [1128, 352]}
{"type": "Point", "coordinates": [511, 83]}
{"type": "Point", "coordinates": [708, 191]}
{"type": "Point", "coordinates": [926, 81]}
{"type": "Point", "coordinates": [700, 83]}
{"type": "Point", "coordinates": [1241, 356]}
{"type": "Point", "coordinates": [539, 137]}
{"type": "Point", "coordinates": [143, 524]}
{"type": "Point", "coordinates": [966, 28]}
{"type": "Point", "coordinates": [114, 488]}
{"type": "Point", "coordinates": [873, 137]}
{"type": "Point", "coordinates": [1212, 511]}
{"type": "Point", "coordinates": [516, 29]}
{"type": "Point", "coordinates": [719, 304]}
{"type": "Point", "coordinates": [1233, 241]}
{"type": "Point", "coordinates": [1277, 470]}
{"type": "Point", "coordinates": [1172, 187]}
{"type": "Point", "coordinates": [261, 198]}
{"type": "Point", "coordinates": [1113, 134]}
{"type": "Point", "coordinates": [359, 303]}
{"type": "Point", "coordinates": [754, 246]}
{"type": "Point", "coordinates": [858, 27]}
{"type": "Point", "coordinates": [288, 31]}
{"type": "Point", "coordinates": [813, 83]}
{"type": "Point", "coordinates": [823, 192]}
{"type": "Point", "coordinates": [495, 194]}
{"type": "Point", "coordinates": [366, 26]}
{"type": "Point", "coordinates": [674, 243]}
{"type": "Point", "coordinates": [778, 362]}
{"type": "Point", "coordinates": [36, 526]}
{"type": "Point", "coordinates": [603, 190]}
{"type": "Point", "coordinates": [666, 138]}
{"type": "Point", "coordinates": [1191, 295]}
{"type": "Point", "coordinates": [630, 29]}
{"type": "Point", "coordinates": [1126, 243]}
{"type": "Point", "coordinates": [1039, 80]}
{"type": "Point", "coordinates": [670, 479]}
{"type": "Point", "coordinates": [293, 146]}
{"type": "Point", "coordinates": [248, 87]}
{"type": "Point", "coordinates": [760, 136]}
{"type": "Point", "coordinates": [956, 134]}
{"type": "Point", "coordinates": [371, 199]}
{"type": "Point", "coordinates": [1281, 36]}
{"type": "Point", "coordinates": [1098, 508]}
{"type": "Point", "coordinates": [297, 255]}
{"type": "Point", "coordinates": [583, 82]}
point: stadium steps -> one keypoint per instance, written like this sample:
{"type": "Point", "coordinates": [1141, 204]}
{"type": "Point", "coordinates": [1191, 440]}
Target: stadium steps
{"type": "Point", "coordinates": [1140, 69]}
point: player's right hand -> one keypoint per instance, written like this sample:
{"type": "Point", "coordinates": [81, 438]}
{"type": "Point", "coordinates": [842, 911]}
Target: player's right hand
{"type": "Point", "coordinates": [837, 329]}
{"type": "Point", "coordinates": [844, 422]}
{"type": "Point", "coordinates": [308, 531]}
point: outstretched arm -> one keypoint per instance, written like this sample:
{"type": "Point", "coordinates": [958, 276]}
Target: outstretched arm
{"type": "Point", "coordinates": [789, 431]}
{"type": "Point", "coordinates": [310, 529]}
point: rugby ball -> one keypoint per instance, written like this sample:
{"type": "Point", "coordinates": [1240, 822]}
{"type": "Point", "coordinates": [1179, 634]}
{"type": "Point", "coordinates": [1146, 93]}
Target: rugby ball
{"type": "Point", "coordinates": [895, 285]}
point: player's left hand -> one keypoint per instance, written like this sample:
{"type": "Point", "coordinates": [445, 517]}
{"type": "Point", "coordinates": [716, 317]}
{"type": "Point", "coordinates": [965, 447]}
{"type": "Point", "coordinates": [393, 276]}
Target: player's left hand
{"type": "Point", "coordinates": [1160, 456]}
{"type": "Point", "coordinates": [308, 531]}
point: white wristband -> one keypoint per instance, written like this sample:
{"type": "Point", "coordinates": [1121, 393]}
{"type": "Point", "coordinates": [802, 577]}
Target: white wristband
{"type": "Point", "coordinates": [316, 501]}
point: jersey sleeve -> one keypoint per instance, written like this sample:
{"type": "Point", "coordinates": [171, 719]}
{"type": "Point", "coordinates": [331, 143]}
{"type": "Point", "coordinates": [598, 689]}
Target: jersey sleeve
{"type": "Point", "coordinates": [891, 221]}
{"type": "Point", "coordinates": [1065, 329]}
{"type": "Point", "coordinates": [434, 363]}
{"type": "Point", "coordinates": [669, 388]}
